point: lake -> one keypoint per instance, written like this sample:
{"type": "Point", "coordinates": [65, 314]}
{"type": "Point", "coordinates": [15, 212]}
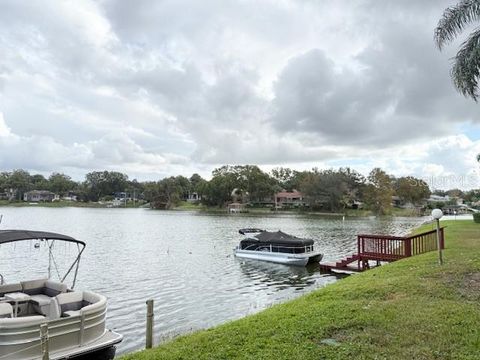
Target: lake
{"type": "Point", "coordinates": [182, 260]}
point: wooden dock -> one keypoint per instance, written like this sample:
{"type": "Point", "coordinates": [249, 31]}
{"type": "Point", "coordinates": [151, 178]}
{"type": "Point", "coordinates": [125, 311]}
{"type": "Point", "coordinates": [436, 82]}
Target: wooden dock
{"type": "Point", "coordinates": [382, 248]}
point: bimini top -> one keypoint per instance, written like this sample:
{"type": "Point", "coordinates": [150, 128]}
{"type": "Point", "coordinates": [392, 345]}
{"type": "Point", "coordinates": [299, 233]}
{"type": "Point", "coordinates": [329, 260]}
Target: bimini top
{"type": "Point", "coordinates": [280, 237]}
{"type": "Point", "coordinates": [7, 236]}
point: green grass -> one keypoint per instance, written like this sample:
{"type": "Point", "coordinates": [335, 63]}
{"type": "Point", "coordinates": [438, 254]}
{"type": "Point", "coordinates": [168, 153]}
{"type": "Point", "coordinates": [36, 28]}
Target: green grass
{"type": "Point", "coordinates": [63, 203]}
{"type": "Point", "coordinates": [410, 309]}
{"type": "Point", "coordinates": [55, 204]}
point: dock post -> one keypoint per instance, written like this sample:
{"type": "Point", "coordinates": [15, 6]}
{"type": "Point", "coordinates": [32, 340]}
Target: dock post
{"type": "Point", "coordinates": [149, 330]}
{"type": "Point", "coordinates": [44, 341]}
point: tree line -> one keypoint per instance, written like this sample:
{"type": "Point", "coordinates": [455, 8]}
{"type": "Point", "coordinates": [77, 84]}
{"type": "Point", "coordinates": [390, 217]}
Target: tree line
{"type": "Point", "coordinates": [327, 190]}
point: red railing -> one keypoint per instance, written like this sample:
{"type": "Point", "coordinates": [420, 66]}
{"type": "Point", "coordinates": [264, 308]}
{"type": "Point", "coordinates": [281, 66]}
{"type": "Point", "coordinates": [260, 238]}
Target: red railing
{"type": "Point", "coordinates": [391, 248]}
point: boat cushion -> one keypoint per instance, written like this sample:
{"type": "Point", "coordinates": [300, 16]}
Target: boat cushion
{"type": "Point", "coordinates": [53, 288]}
{"type": "Point", "coordinates": [54, 310]}
{"type": "Point", "coordinates": [71, 301]}
{"type": "Point", "coordinates": [9, 288]}
{"type": "Point", "coordinates": [6, 310]}
{"type": "Point", "coordinates": [33, 287]}
{"type": "Point", "coordinates": [41, 299]}
{"type": "Point", "coordinates": [43, 286]}
{"type": "Point", "coordinates": [72, 313]}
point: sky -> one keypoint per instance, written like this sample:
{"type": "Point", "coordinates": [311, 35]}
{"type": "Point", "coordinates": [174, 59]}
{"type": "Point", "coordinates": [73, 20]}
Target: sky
{"type": "Point", "coordinates": [175, 87]}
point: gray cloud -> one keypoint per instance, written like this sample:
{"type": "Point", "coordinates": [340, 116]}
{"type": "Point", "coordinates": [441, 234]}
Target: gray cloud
{"type": "Point", "coordinates": [164, 87]}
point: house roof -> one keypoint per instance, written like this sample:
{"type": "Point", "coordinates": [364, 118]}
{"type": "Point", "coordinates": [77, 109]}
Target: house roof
{"type": "Point", "coordinates": [288, 194]}
{"type": "Point", "coordinates": [40, 192]}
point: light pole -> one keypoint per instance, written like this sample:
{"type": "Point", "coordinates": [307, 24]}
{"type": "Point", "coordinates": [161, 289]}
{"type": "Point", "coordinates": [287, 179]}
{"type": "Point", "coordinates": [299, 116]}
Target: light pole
{"type": "Point", "coordinates": [437, 215]}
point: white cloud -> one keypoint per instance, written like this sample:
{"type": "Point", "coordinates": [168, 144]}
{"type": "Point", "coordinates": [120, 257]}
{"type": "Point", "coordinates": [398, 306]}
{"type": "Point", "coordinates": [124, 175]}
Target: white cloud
{"type": "Point", "coordinates": [4, 129]}
{"type": "Point", "coordinates": [152, 89]}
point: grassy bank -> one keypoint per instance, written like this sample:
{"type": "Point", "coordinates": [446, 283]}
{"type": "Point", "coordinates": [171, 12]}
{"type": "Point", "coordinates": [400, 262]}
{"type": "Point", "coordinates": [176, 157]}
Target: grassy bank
{"type": "Point", "coordinates": [186, 206]}
{"type": "Point", "coordinates": [411, 309]}
{"type": "Point", "coordinates": [54, 204]}
{"type": "Point", "coordinates": [62, 203]}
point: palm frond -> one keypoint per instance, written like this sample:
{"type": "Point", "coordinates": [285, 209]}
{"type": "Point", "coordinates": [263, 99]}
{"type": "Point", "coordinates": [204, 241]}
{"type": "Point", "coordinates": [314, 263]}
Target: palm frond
{"type": "Point", "coordinates": [466, 67]}
{"type": "Point", "coordinates": [454, 20]}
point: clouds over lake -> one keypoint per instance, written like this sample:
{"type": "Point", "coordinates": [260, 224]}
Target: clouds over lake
{"type": "Point", "coordinates": [174, 87]}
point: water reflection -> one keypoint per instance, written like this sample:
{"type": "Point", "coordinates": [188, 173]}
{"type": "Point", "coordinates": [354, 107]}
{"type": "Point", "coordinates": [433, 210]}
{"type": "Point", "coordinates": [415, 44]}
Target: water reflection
{"type": "Point", "coordinates": [184, 261]}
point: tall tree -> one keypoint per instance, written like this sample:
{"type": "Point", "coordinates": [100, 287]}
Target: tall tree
{"type": "Point", "coordinates": [165, 193]}
{"type": "Point", "coordinates": [102, 183]}
{"type": "Point", "coordinates": [331, 190]}
{"type": "Point", "coordinates": [60, 183]}
{"type": "Point", "coordinates": [466, 64]}
{"type": "Point", "coordinates": [411, 190]}
{"type": "Point", "coordinates": [379, 192]}
{"type": "Point", "coordinates": [20, 181]}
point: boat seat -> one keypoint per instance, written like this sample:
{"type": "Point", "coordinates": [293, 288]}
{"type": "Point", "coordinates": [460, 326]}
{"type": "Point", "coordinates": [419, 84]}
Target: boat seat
{"type": "Point", "coordinates": [40, 299]}
{"type": "Point", "coordinates": [33, 287]}
{"type": "Point", "coordinates": [73, 303]}
{"type": "Point", "coordinates": [43, 286]}
{"type": "Point", "coordinates": [9, 288]}
{"type": "Point", "coordinates": [41, 293]}
{"type": "Point", "coordinates": [54, 311]}
{"type": "Point", "coordinates": [6, 310]}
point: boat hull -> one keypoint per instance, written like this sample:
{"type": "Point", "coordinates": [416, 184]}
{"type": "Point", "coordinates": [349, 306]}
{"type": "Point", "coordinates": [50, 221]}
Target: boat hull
{"type": "Point", "coordinates": [68, 337]}
{"type": "Point", "coordinates": [279, 258]}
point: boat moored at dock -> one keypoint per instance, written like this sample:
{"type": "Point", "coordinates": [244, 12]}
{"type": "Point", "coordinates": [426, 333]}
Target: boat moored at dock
{"type": "Point", "coordinates": [277, 247]}
{"type": "Point", "coordinates": [37, 312]}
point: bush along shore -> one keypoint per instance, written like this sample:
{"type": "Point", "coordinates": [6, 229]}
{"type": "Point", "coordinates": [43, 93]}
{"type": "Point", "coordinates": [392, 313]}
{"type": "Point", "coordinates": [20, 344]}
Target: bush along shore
{"type": "Point", "coordinates": [409, 309]}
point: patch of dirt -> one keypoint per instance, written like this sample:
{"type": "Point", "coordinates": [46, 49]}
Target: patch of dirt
{"type": "Point", "coordinates": [470, 286]}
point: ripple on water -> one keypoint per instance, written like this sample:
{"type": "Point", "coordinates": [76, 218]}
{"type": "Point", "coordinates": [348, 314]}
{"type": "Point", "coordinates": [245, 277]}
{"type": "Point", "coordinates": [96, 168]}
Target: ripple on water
{"type": "Point", "coordinates": [184, 261]}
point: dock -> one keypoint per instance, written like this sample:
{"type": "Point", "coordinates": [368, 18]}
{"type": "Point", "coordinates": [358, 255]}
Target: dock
{"type": "Point", "coordinates": [383, 248]}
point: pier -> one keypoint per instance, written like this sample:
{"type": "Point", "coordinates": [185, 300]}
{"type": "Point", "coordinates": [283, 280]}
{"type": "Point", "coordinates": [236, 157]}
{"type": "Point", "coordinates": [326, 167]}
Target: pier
{"type": "Point", "coordinates": [382, 248]}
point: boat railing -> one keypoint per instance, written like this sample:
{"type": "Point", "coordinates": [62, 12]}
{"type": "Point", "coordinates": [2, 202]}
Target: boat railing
{"type": "Point", "coordinates": [277, 248]}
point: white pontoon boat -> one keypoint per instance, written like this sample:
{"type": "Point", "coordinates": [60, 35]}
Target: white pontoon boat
{"type": "Point", "coordinates": [277, 247]}
{"type": "Point", "coordinates": [75, 319]}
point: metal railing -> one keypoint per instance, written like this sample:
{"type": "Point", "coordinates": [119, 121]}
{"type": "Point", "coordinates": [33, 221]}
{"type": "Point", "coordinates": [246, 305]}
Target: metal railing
{"type": "Point", "coordinates": [276, 248]}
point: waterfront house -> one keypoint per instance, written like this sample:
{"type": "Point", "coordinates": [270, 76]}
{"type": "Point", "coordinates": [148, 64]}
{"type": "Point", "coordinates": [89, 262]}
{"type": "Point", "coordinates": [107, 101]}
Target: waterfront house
{"type": "Point", "coordinates": [236, 207]}
{"type": "Point", "coordinates": [292, 198]}
{"type": "Point", "coordinates": [192, 197]}
{"type": "Point", "coordinates": [8, 194]}
{"type": "Point", "coordinates": [39, 196]}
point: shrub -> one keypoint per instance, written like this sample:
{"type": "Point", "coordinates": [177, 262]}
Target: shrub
{"type": "Point", "coordinates": [476, 217]}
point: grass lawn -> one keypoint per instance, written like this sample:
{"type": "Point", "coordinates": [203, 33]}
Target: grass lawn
{"type": "Point", "coordinates": [410, 309]}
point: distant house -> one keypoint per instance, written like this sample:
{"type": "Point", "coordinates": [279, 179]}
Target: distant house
{"type": "Point", "coordinates": [236, 207]}
{"type": "Point", "coordinates": [39, 195]}
{"type": "Point", "coordinates": [437, 198]}
{"type": "Point", "coordinates": [192, 197]}
{"type": "Point", "coordinates": [455, 209]}
{"type": "Point", "coordinates": [8, 194]}
{"type": "Point", "coordinates": [289, 199]}
{"type": "Point", "coordinates": [70, 196]}
{"type": "Point", "coordinates": [445, 199]}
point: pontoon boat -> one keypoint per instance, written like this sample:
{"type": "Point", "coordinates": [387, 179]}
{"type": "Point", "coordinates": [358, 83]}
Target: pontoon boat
{"type": "Point", "coordinates": [75, 320]}
{"type": "Point", "coordinates": [277, 247]}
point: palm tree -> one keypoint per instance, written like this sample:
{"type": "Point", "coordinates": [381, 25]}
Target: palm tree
{"type": "Point", "coordinates": [466, 64]}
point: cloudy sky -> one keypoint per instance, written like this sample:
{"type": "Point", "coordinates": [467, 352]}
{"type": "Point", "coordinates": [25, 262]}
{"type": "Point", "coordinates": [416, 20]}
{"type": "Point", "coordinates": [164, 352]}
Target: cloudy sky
{"type": "Point", "coordinates": [155, 88]}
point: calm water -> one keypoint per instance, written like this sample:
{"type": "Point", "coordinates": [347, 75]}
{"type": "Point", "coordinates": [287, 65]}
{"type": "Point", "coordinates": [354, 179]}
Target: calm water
{"type": "Point", "coordinates": [181, 260]}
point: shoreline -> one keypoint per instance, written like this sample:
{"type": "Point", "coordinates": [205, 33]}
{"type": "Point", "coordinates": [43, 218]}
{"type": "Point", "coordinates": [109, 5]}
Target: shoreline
{"type": "Point", "coordinates": [349, 213]}
{"type": "Point", "coordinates": [412, 308]}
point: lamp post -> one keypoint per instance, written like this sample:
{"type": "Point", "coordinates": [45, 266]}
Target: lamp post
{"type": "Point", "coordinates": [437, 215]}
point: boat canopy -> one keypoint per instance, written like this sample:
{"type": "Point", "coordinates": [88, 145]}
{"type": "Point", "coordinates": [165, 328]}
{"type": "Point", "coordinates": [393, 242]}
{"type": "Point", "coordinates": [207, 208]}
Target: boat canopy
{"type": "Point", "coordinates": [280, 238]}
{"type": "Point", "coordinates": [7, 236]}
{"type": "Point", "coordinates": [250, 230]}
